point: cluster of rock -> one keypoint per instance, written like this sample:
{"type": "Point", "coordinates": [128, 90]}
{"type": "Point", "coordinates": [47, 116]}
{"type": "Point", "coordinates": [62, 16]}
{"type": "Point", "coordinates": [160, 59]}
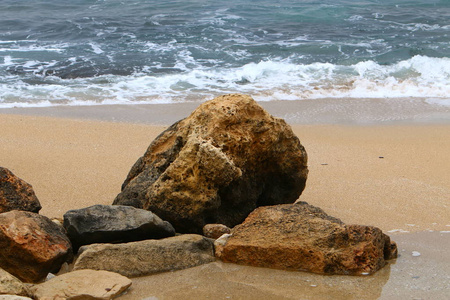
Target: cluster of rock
{"type": "Point", "coordinates": [229, 164]}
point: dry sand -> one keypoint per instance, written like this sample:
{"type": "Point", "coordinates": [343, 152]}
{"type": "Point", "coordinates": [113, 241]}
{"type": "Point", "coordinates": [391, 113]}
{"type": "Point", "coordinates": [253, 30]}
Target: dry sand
{"type": "Point", "coordinates": [395, 177]}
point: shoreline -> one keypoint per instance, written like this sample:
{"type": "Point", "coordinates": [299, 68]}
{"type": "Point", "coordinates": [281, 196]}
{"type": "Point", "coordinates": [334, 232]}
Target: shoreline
{"type": "Point", "coordinates": [360, 112]}
{"type": "Point", "coordinates": [392, 175]}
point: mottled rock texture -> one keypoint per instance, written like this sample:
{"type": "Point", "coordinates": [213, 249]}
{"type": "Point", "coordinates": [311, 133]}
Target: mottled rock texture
{"type": "Point", "coordinates": [113, 224]}
{"type": "Point", "coordinates": [82, 284]}
{"type": "Point", "coordinates": [16, 194]}
{"type": "Point", "coordinates": [147, 257]}
{"type": "Point", "coordinates": [215, 231]}
{"type": "Point", "coordinates": [303, 237]}
{"type": "Point", "coordinates": [10, 285]}
{"type": "Point", "coordinates": [217, 165]}
{"type": "Point", "coordinates": [31, 245]}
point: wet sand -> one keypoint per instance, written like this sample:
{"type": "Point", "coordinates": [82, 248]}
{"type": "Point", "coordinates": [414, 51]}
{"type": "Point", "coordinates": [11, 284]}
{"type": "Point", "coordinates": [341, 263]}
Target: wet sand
{"type": "Point", "coordinates": [393, 175]}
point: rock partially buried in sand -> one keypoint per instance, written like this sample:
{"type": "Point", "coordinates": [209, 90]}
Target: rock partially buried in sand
{"type": "Point", "coordinates": [216, 166]}
{"type": "Point", "coordinates": [16, 194]}
{"type": "Point", "coordinates": [147, 257]}
{"type": "Point", "coordinates": [303, 237]}
{"type": "Point", "coordinates": [31, 245]}
{"type": "Point", "coordinates": [82, 284]}
{"type": "Point", "coordinates": [113, 224]}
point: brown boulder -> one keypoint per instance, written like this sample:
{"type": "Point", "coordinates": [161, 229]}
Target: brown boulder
{"type": "Point", "coordinates": [217, 165]}
{"type": "Point", "coordinates": [16, 194]}
{"type": "Point", "coordinates": [303, 237]}
{"type": "Point", "coordinates": [31, 245]}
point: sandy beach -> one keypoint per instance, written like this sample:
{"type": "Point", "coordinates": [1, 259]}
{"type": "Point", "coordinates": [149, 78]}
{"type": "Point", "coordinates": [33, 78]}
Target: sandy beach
{"type": "Point", "coordinates": [390, 175]}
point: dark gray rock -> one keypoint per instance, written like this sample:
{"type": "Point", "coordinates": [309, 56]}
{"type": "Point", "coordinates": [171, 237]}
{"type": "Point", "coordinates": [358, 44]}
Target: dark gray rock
{"type": "Point", "coordinates": [113, 224]}
{"type": "Point", "coordinates": [16, 194]}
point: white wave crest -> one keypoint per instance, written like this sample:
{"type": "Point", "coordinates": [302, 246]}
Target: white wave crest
{"type": "Point", "coordinates": [420, 76]}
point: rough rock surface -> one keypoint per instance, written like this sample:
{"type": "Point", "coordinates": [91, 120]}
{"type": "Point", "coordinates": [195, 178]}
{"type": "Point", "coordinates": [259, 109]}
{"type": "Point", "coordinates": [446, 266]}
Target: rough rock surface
{"type": "Point", "coordinates": [113, 224]}
{"type": "Point", "coordinates": [215, 231]}
{"type": "Point", "coordinates": [147, 257]}
{"type": "Point", "coordinates": [303, 237]}
{"type": "Point", "coordinates": [10, 285]}
{"type": "Point", "coordinates": [82, 284]}
{"type": "Point", "coordinates": [31, 245]}
{"type": "Point", "coordinates": [13, 297]}
{"type": "Point", "coordinates": [217, 165]}
{"type": "Point", "coordinates": [16, 194]}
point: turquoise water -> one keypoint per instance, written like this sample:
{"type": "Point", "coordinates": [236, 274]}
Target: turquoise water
{"type": "Point", "coordinates": [86, 52]}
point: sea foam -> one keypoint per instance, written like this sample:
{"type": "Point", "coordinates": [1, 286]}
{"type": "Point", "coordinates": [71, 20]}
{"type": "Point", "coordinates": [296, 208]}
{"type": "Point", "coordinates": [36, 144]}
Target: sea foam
{"type": "Point", "coordinates": [420, 76]}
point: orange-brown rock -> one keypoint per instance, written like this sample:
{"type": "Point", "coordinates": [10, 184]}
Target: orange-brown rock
{"type": "Point", "coordinates": [31, 245]}
{"type": "Point", "coordinates": [16, 194]}
{"type": "Point", "coordinates": [303, 237]}
{"type": "Point", "coordinates": [217, 165]}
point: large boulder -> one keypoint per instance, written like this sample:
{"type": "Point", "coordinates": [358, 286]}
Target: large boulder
{"type": "Point", "coordinates": [303, 237]}
{"type": "Point", "coordinates": [113, 224]}
{"type": "Point", "coordinates": [10, 285]}
{"type": "Point", "coordinates": [82, 284]}
{"type": "Point", "coordinates": [31, 245]}
{"type": "Point", "coordinates": [16, 194]}
{"type": "Point", "coordinates": [147, 257]}
{"type": "Point", "coordinates": [217, 165]}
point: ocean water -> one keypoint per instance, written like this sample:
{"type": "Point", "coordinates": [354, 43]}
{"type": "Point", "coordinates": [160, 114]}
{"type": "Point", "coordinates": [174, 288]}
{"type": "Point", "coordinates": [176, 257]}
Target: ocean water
{"type": "Point", "coordinates": [93, 52]}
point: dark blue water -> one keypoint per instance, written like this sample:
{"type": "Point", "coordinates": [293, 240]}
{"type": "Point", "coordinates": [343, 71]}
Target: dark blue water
{"type": "Point", "coordinates": [109, 51]}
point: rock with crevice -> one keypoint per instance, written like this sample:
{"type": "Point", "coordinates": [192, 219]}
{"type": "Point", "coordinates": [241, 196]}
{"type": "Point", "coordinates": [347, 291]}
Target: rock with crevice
{"type": "Point", "coordinates": [147, 257]}
{"type": "Point", "coordinates": [303, 237]}
{"type": "Point", "coordinates": [113, 224]}
{"type": "Point", "coordinates": [32, 245]}
{"type": "Point", "coordinates": [82, 284]}
{"type": "Point", "coordinates": [217, 165]}
{"type": "Point", "coordinates": [16, 194]}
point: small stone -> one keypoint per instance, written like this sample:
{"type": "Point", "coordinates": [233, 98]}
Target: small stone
{"type": "Point", "coordinates": [214, 231]}
{"type": "Point", "coordinates": [415, 253]}
{"type": "Point", "coordinates": [220, 243]}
